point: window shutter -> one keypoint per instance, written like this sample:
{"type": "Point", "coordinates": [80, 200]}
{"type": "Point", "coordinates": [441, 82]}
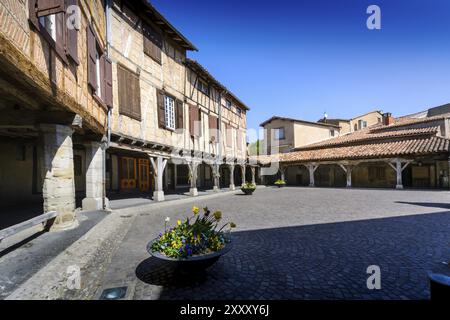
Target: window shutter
{"type": "Point", "coordinates": [32, 13]}
{"type": "Point", "coordinates": [48, 7]}
{"type": "Point", "coordinates": [161, 109]}
{"type": "Point", "coordinates": [124, 107]}
{"type": "Point", "coordinates": [194, 118]}
{"type": "Point", "coordinates": [136, 95]}
{"type": "Point", "coordinates": [213, 128]}
{"type": "Point", "coordinates": [72, 36]}
{"type": "Point", "coordinates": [179, 115]}
{"type": "Point", "coordinates": [60, 27]}
{"type": "Point", "coordinates": [152, 42]}
{"type": "Point", "coordinates": [108, 91]}
{"type": "Point", "coordinates": [92, 50]}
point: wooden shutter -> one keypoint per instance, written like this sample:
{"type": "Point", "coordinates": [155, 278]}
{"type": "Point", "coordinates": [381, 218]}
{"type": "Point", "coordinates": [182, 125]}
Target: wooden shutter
{"type": "Point", "coordinates": [48, 7]}
{"type": "Point", "coordinates": [194, 117]}
{"type": "Point", "coordinates": [135, 95]}
{"type": "Point", "coordinates": [161, 109]}
{"type": "Point", "coordinates": [72, 36]}
{"type": "Point", "coordinates": [179, 115]}
{"type": "Point", "coordinates": [60, 34]}
{"type": "Point", "coordinates": [212, 128]}
{"type": "Point", "coordinates": [92, 51]}
{"type": "Point", "coordinates": [108, 93]}
{"type": "Point", "coordinates": [152, 42]}
{"type": "Point", "coordinates": [32, 6]}
{"type": "Point", "coordinates": [124, 107]}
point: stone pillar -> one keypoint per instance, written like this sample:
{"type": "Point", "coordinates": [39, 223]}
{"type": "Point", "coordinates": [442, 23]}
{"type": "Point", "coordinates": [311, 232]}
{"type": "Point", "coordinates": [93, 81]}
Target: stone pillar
{"type": "Point", "coordinates": [312, 168]}
{"type": "Point", "coordinates": [193, 170]}
{"type": "Point", "coordinates": [216, 175]}
{"type": "Point", "coordinates": [58, 188]}
{"type": "Point", "coordinates": [232, 186]}
{"type": "Point", "coordinates": [398, 169]}
{"type": "Point", "coordinates": [253, 175]}
{"type": "Point", "coordinates": [94, 178]}
{"type": "Point", "coordinates": [158, 168]}
{"type": "Point", "coordinates": [243, 174]}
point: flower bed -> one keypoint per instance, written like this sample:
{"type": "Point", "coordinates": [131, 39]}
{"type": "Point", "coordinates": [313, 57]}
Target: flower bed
{"type": "Point", "coordinates": [248, 188]}
{"type": "Point", "coordinates": [280, 183]}
{"type": "Point", "coordinates": [198, 235]}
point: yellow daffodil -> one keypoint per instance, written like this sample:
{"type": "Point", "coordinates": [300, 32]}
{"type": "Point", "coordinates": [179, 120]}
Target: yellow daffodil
{"type": "Point", "coordinates": [217, 215]}
{"type": "Point", "coordinates": [195, 210]}
{"type": "Point", "coordinates": [179, 222]}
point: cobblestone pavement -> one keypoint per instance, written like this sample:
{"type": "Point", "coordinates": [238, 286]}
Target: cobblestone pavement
{"type": "Point", "coordinates": [300, 243]}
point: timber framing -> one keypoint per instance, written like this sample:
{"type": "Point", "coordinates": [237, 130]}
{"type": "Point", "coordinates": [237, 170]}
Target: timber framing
{"type": "Point", "coordinates": [21, 73]}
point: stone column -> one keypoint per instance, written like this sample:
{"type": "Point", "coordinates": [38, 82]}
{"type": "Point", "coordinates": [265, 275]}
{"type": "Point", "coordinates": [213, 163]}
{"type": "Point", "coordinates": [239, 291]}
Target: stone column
{"type": "Point", "coordinates": [312, 169]}
{"type": "Point", "coordinates": [58, 188]}
{"type": "Point", "coordinates": [232, 186]}
{"type": "Point", "coordinates": [349, 176]}
{"type": "Point", "coordinates": [94, 178]}
{"type": "Point", "coordinates": [253, 174]}
{"type": "Point", "coordinates": [193, 170]}
{"type": "Point", "coordinates": [158, 168]}
{"type": "Point", "coordinates": [216, 175]}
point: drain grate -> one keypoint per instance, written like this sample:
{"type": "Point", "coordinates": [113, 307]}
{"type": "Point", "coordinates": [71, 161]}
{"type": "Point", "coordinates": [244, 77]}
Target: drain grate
{"type": "Point", "coordinates": [114, 293]}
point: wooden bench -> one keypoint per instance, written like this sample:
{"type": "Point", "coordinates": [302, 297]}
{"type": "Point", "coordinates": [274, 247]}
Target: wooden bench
{"type": "Point", "coordinates": [8, 232]}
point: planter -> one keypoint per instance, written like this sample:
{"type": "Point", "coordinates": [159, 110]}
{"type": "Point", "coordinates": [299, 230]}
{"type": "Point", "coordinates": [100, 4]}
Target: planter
{"type": "Point", "coordinates": [248, 191]}
{"type": "Point", "coordinates": [280, 185]}
{"type": "Point", "coordinates": [191, 264]}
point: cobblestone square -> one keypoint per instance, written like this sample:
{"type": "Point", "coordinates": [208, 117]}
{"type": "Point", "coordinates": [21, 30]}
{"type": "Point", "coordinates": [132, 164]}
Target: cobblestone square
{"type": "Point", "coordinates": [300, 243]}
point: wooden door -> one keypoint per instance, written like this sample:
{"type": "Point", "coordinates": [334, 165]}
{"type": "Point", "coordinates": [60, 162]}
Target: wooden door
{"type": "Point", "coordinates": [128, 173]}
{"type": "Point", "coordinates": [144, 176]}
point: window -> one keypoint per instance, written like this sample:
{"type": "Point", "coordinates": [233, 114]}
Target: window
{"type": "Point", "coordinates": [203, 86]}
{"type": "Point", "coordinates": [239, 111]}
{"type": "Point", "coordinates": [49, 18]}
{"type": "Point", "coordinates": [228, 104]}
{"type": "Point", "coordinates": [280, 134]}
{"type": "Point", "coordinates": [152, 43]}
{"type": "Point", "coordinates": [169, 106]}
{"type": "Point", "coordinates": [49, 24]}
{"type": "Point", "coordinates": [21, 153]}
{"type": "Point", "coordinates": [332, 133]}
{"type": "Point", "coordinates": [98, 92]}
{"type": "Point", "coordinates": [195, 122]}
{"type": "Point", "coordinates": [129, 93]}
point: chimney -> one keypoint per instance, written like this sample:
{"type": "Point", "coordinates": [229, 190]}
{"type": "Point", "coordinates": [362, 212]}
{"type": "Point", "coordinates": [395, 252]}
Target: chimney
{"type": "Point", "coordinates": [388, 119]}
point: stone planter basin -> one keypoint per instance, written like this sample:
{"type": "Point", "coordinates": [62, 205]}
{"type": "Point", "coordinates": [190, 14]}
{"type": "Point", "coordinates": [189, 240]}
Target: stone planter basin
{"type": "Point", "coordinates": [191, 264]}
{"type": "Point", "coordinates": [248, 191]}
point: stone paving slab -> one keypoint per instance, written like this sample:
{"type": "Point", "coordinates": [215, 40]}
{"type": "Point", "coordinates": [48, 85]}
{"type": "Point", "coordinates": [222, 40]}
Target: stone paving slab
{"type": "Point", "coordinates": [299, 243]}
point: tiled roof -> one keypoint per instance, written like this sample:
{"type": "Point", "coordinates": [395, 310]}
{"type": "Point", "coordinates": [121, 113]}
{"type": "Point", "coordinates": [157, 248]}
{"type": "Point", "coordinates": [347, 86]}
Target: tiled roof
{"type": "Point", "coordinates": [382, 149]}
{"type": "Point", "coordinates": [364, 136]}
{"type": "Point", "coordinates": [378, 141]}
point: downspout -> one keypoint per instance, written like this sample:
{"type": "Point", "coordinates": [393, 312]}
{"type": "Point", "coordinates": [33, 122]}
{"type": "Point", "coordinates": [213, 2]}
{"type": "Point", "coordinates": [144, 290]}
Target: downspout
{"type": "Point", "coordinates": [108, 134]}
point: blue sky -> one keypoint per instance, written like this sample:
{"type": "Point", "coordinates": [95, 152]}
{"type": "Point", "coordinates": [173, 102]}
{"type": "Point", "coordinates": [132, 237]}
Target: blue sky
{"type": "Point", "coordinates": [302, 58]}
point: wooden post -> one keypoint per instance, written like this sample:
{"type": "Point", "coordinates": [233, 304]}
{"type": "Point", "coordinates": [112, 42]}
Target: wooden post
{"type": "Point", "coordinates": [243, 174]}
{"type": "Point", "coordinates": [399, 169]}
{"type": "Point", "coordinates": [348, 171]}
{"type": "Point", "coordinates": [158, 169]}
{"type": "Point", "coordinates": [216, 174]}
{"type": "Point", "coordinates": [312, 168]}
{"type": "Point", "coordinates": [253, 169]}
{"type": "Point", "coordinates": [193, 170]}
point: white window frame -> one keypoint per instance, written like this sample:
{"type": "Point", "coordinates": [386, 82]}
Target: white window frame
{"type": "Point", "coordinates": [98, 92]}
{"type": "Point", "coordinates": [169, 112]}
{"type": "Point", "coordinates": [49, 23]}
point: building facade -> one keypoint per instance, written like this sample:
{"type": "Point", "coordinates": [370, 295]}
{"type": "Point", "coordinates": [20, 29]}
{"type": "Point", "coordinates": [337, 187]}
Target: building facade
{"type": "Point", "coordinates": [284, 134]}
{"type": "Point", "coordinates": [56, 93]}
{"type": "Point", "coordinates": [406, 152]}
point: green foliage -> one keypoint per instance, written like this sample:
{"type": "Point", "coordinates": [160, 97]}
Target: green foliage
{"type": "Point", "coordinates": [197, 235]}
{"type": "Point", "coordinates": [280, 182]}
